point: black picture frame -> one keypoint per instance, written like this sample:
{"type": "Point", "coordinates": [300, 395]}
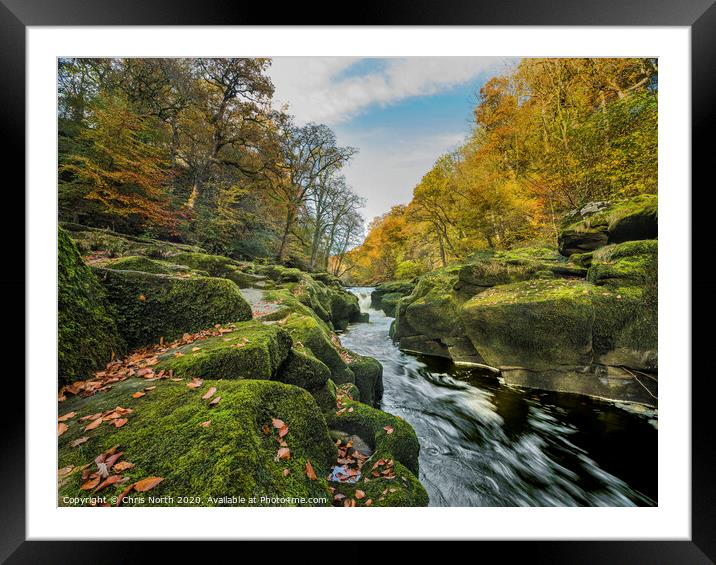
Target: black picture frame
{"type": "Point", "coordinates": [699, 15]}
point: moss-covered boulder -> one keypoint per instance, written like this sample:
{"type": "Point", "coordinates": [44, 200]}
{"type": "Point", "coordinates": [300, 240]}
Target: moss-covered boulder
{"type": "Point", "coordinates": [625, 264]}
{"type": "Point", "coordinates": [344, 309]}
{"type": "Point", "coordinates": [145, 265]}
{"type": "Point", "coordinates": [148, 307]}
{"type": "Point", "coordinates": [308, 332]}
{"type": "Point", "coordinates": [252, 350]}
{"type": "Point", "coordinates": [536, 324]}
{"type": "Point", "coordinates": [599, 223]}
{"type": "Point", "coordinates": [235, 455]}
{"type": "Point", "coordinates": [302, 368]}
{"type": "Point", "coordinates": [385, 296]}
{"type": "Point", "coordinates": [112, 244]}
{"type": "Point", "coordinates": [87, 333]}
{"type": "Point", "coordinates": [368, 378]}
{"type": "Point", "coordinates": [388, 436]}
{"type": "Point", "coordinates": [217, 266]}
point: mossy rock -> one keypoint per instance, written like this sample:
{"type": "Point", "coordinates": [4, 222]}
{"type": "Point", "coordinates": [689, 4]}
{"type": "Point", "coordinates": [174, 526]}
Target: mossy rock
{"type": "Point", "coordinates": [433, 307]}
{"type": "Point", "coordinates": [218, 266]}
{"type": "Point", "coordinates": [253, 350]}
{"type": "Point", "coordinates": [536, 324]}
{"type": "Point", "coordinates": [599, 223]}
{"type": "Point", "coordinates": [87, 333]}
{"type": "Point", "coordinates": [114, 244]}
{"type": "Point", "coordinates": [402, 491]}
{"type": "Point", "coordinates": [368, 378]}
{"type": "Point", "coordinates": [230, 457]}
{"type": "Point", "coordinates": [370, 424]}
{"type": "Point", "coordinates": [389, 303]}
{"type": "Point", "coordinates": [390, 290]}
{"type": "Point", "coordinates": [307, 332]}
{"type": "Point", "coordinates": [625, 264]}
{"type": "Point", "coordinates": [145, 265]}
{"type": "Point", "coordinates": [325, 396]}
{"type": "Point", "coordinates": [344, 309]}
{"type": "Point", "coordinates": [148, 307]}
{"type": "Point", "coordinates": [302, 368]}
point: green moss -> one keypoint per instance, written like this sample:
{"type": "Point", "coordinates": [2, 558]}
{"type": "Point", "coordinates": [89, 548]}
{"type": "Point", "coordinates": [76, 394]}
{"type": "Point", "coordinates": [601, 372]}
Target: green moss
{"type": "Point", "coordinates": [254, 350]}
{"type": "Point", "coordinates": [389, 303]}
{"type": "Point", "coordinates": [87, 333]}
{"type": "Point", "coordinates": [537, 324]}
{"type": "Point", "coordinates": [306, 331]}
{"type": "Point", "coordinates": [148, 307]}
{"type": "Point", "coordinates": [369, 423]}
{"type": "Point", "coordinates": [143, 264]}
{"type": "Point", "coordinates": [368, 378]}
{"type": "Point", "coordinates": [325, 396]}
{"type": "Point", "coordinates": [582, 259]}
{"type": "Point", "coordinates": [302, 369]}
{"type": "Point", "coordinates": [230, 457]}
{"type": "Point", "coordinates": [402, 491]}
{"type": "Point", "coordinates": [625, 264]}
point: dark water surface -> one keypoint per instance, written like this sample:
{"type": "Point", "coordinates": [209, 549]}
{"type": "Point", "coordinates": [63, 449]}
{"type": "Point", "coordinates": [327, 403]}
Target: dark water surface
{"type": "Point", "coordinates": [486, 444]}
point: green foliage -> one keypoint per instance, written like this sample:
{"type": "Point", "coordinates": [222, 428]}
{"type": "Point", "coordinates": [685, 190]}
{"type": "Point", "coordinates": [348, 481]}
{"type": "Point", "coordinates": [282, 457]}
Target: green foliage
{"type": "Point", "coordinates": [87, 333]}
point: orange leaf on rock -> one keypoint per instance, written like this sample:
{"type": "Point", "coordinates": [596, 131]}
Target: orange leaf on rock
{"type": "Point", "coordinates": [283, 430]}
{"type": "Point", "coordinates": [369, 502]}
{"type": "Point", "coordinates": [90, 484]}
{"type": "Point", "coordinates": [286, 472]}
{"type": "Point", "coordinates": [205, 424]}
{"type": "Point", "coordinates": [124, 494]}
{"type": "Point", "coordinates": [119, 422]}
{"type": "Point", "coordinates": [66, 417]}
{"type": "Point", "coordinates": [147, 484]}
{"type": "Point", "coordinates": [277, 423]}
{"type": "Point", "coordinates": [138, 394]}
{"type": "Point", "coordinates": [209, 393]}
{"type": "Point", "coordinates": [195, 383]}
{"type": "Point", "coordinates": [310, 473]}
{"type": "Point", "coordinates": [61, 428]}
{"type": "Point", "coordinates": [284, 453]}
{"type": "Point", "coordinates": [360, 494]}
{"type": "Point", "coordinates": [215, 401]}
{"type": "Point", "coordinates": [388, 429]}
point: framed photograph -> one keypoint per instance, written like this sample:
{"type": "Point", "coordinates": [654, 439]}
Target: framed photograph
{"type": "Point", "coordinates": [427, 266]}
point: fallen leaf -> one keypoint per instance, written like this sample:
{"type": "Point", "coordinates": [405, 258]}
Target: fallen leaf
{"type": "Point", "coordinates": [147, 484]}
{"type": "Point", "coordinates": [138, 394]}
{"type": "Point", "coordinates": [339, 496]}
{"type": "Point", "coordinates": [148, 388]}
{"type": "Point", "coordinates": [124, 494]}
{"type": "Point", "coordinates": [108, 481]}
{"type": "Point", "coordinates": [283, 430]}
{"type": "Point", "coordinates": [195, 383]}
{"type": "Point", "coordinates": [277, 423]}
{"type": "Point", "coordinates": [209, 393]}
{"type": "Point", "coordinates": [65, 471]}
{"type": "Point", "coordinates": [284, 453]}
{"type": "Point", "coordinates": [123, 466]}
{"type": "Point", "coordinates": [90, 484]}
{"type": "Point", "coordinates": [286, 472]}
{"type": "Point", "coordinates": [205, 424]}
{"type": "Point", "coordinates": [215, 401]}
{"type": "Point", "coordinates": [61, 428]}
{"type": "Point", "coordinates": [66, 416]}
{"type": "Point", "coordinates": [119, 422]}
{"type": "Point", "coordinates": [142, 298]}
{"type": "Point", "coordinates": [265, 429]}
{"type": "Point", "coordinates": [369, 502]}
{"type": "Point", "coordinates": [93, 424]}
{"type": "Point", "coordinates": [112, 460]}
{"type": "Point", "coordinates": [310, 473]}
{"type": "Point", "coordinates": [79, 441]}
{"type": "Point", "coordinates": [360, 494]}
{"type": "Point", "coordinates": [388, 429]}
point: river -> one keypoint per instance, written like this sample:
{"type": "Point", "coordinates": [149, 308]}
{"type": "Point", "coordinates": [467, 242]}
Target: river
{"type": "Point", "coordinates": [486, 444]}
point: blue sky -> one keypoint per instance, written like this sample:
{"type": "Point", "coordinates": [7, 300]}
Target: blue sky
{"type": "Point", "coordinates": [402, 114]}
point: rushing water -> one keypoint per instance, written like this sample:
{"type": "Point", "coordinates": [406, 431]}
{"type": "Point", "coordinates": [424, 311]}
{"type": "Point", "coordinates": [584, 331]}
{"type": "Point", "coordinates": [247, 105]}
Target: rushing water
{"type": "Point", "coordinates": [487, 444]}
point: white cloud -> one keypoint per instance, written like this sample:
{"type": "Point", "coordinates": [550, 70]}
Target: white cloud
{"type": "Point", "coordinates": [315, 91]}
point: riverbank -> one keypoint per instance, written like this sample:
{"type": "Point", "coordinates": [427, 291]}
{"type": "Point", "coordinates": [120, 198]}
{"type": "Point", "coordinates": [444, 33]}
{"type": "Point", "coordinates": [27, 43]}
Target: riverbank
{"type": "Point", "coordinates": [484, 443]}
{"type": "Point", "coordinates": [581, 319]}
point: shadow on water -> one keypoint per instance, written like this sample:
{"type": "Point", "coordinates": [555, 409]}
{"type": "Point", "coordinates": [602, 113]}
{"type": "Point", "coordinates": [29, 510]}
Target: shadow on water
{"type": "Point", "coordinates": [486, 444]}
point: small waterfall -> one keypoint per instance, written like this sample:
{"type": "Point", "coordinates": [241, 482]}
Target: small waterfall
{"type": "Point", "coordinates": [363, 294]}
